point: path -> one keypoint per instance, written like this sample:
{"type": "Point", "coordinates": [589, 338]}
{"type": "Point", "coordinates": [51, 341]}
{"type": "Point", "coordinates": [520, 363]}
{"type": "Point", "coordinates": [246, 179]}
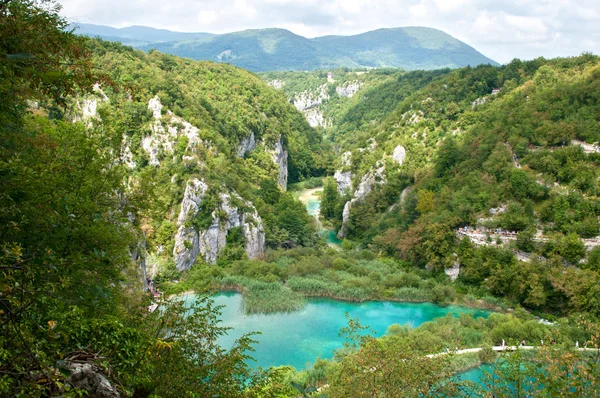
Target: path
{"type": "Point", "coordinates": [499, 349]}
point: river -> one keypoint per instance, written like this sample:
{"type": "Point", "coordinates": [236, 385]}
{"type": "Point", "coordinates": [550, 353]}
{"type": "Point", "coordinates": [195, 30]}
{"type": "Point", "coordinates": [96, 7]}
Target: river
{"type": "Point", "coordinates": [312, 201]}
{"type": "Point", "coordinates": [300, 337]}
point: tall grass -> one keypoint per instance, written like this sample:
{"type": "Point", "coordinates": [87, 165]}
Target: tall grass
{"type": "Point", "coordinates": [264, 297]}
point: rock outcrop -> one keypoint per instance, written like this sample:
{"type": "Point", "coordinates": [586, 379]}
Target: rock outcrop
{"type": "Point", "coordinates": [308, 99]}
{"type": "Point", "coordinates": [315, 118]}
{"type": "Point", "coordinates": [163, 138]}
{"type": "Point", "coordinates": [87, 107]}
{"type": "Point", "coordinates": [367, 183]}
{"type": "Point", "coordinates": [453, 272]}
{"type": "Point", "coordinates": [246, 145]}
{"type": "Point", "coordinates": [190, 242]}
{"type": "Point", "coordinates": [348, 89]}
{"type": "Point", "coordinates": [88, 377]}
{"type": "Point", "coordinates": [276, 84]}
{"type": "Point", "coordinates": [343, 180]}
{"type": "Point", "coordinates": [280, 157]}
{"type": "Point", "coordinates": [399, 154]}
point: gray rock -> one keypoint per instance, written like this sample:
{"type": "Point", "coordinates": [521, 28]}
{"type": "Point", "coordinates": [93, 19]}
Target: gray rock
{"type": "Point", "coordinates": [280, 156]}
{"type": "Point", "coordinates": [348, 89]}
{"type": "Point", "coordinates": [453, 272]}
{"type": "Point", "coordinates": [308, 99]}
{"type": "Point", "coordinates": [367, 183]}
{"type": "Point", "coordinates": [88, 377]}
{"type": "Point", "coordinates": [399, 154]}
{"type": "Point", "coordinates": [190, 243]}
{"type": "Point", "coordinates": [344, 181]}
{"type": "Point", "coordinates": [246, 145]}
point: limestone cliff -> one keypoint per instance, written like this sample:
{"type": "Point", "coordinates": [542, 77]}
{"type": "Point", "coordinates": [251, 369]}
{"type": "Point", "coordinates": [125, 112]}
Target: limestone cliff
{"type": "Point", "coordinates": [280, 156]}
{"type": "Point", "coordinates": [246, 145]}
{"type": "Point", "coordinates": [348, 89]}
{"type": "Point", "coordinates": [165, 130]}
{"type": "Point", "coordinates": [368, 181]}
{"type": "Point", "coordinates": [191, 243]}
{"type": "Point", "coordinates": [309, 103]}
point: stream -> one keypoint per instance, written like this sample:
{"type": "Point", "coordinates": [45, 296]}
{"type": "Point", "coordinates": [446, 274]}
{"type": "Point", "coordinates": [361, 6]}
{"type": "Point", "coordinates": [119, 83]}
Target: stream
{"type": "Point", "coordinates": [312, 201]}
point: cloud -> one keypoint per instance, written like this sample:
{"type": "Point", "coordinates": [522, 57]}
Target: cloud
{"type": "Point", "coordinates": [502, 30]}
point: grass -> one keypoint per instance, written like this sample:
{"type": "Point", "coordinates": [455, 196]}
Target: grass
{"type": "Point", "coordinates": [264, 297]}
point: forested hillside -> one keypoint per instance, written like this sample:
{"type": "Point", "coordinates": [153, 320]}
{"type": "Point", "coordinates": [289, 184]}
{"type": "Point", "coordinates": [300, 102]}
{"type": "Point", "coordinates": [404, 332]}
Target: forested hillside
{"type": "Point", "coordinates": [506, 156]}
{"type": "Point", "coordinates": [261, 50]}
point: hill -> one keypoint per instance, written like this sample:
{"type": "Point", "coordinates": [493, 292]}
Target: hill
{"type": "Point", "coordinates": [260, 50]}
{"type": "Point", "coordinates": [133, 35]}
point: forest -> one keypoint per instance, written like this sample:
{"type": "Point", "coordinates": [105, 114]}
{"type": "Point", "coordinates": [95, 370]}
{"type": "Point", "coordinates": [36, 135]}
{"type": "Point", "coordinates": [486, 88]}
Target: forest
{"type": "Point", "coordinates": [120, 167]}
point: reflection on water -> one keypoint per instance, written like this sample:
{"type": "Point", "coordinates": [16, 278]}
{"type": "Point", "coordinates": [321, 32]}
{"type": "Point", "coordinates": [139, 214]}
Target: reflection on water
{"type": "Point", "coordinates": [299, 338]}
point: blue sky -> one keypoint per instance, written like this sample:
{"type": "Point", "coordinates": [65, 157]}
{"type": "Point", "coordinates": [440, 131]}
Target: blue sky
{"type": "Point", "coordinates": [500, 29]}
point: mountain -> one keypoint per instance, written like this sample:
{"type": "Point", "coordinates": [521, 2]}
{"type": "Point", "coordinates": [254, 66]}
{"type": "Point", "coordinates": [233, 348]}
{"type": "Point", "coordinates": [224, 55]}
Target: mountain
{"type": "Point", "coordinates": [261, 50]}
{"type": "Point", "coordinates": [134, 35]}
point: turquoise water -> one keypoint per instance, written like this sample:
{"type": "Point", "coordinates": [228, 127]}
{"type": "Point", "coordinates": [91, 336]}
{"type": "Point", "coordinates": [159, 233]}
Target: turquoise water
{"type": "Point", "coordinates": [331, 236]}
{"type": "Point", "coordinates": [313, 206]}
{"type": "Point", "coordinates": [299, 338]}
{"type": "Point", "coordinates": [476, 375]}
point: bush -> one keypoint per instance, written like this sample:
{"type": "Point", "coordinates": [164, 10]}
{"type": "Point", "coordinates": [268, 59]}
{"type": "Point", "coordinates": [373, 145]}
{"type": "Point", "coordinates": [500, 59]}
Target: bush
{"type": "Point", "coordinates": [487, 355]}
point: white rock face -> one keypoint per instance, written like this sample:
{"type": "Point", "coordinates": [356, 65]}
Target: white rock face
{"type": "Point", "coordinates": [126, 155]}
{"type": "Point", "coordinates": [308, 99]}
{"type": "Point", "coordinates": [88, 107]}
{"type": "Point", "coordinates": [246, 145]}
{"type": "Point", "coordinates": [399, 154]}
{"type": "Point", "coordinates": [156, 107]}
{"type": "Point", "coordinates": [276, 84]}
{"type": "Point", "coordinates": [367, 183]}
{"type": "Point", "coordinates": [348, 89]}
{"type": "Point", "coordinates": [189, 243]}
{"type": "Point", "coordinates": [280, 156]}
{"type": "Point", "coordinates": [344, 180]}
{"type": "Point", "coordinates": [453, 272]}
{"type": "Point", "coordinates": [165, 139]}
{"type": "Point", "coordinates": [347, 159]}
{"type": "Point", "coordinates": [315, 117]}
{"type": "Point", "coordinates": [478, 102]}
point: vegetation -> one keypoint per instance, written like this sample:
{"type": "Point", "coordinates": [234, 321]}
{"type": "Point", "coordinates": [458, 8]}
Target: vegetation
{"type": "Point", "coordinates": [262, 50]}
{"type": "Point", "coordinates": [93, 179]}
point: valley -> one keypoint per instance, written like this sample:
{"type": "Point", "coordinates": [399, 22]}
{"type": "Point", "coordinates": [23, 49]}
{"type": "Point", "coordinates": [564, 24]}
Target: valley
{"type": "Point", "coordinates": [354, 220]}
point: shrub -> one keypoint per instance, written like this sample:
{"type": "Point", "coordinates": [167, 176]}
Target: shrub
{"type": "Point", "coordinates": [487, 355]}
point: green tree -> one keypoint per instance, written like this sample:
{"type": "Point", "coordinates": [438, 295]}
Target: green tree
{"type": "Point", "coordinates": [330, 199]}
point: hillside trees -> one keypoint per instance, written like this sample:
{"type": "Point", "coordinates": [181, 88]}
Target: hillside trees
{"type": "Point", "coordinates": [69, 288]}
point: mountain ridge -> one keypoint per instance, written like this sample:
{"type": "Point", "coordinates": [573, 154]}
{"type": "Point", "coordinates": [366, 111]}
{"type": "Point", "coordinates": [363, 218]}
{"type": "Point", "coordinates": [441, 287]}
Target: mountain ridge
{"type": "Point", "coordinates": [277, 49]}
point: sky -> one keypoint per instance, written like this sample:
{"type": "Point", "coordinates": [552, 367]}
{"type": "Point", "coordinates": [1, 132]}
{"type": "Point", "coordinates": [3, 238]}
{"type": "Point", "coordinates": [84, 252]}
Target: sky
{"type": "Point", "coordinates": [500, 29]}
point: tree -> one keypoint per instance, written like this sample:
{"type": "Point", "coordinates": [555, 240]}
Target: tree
{"type": "Point", "coordinates": [330, 199]}
{"type": "Point", "coordinates": [425, 201]}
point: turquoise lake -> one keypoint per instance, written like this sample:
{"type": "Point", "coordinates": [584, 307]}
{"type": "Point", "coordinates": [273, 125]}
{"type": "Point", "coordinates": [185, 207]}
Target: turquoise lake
{"type": "Point", "coordinates": [299, 338]}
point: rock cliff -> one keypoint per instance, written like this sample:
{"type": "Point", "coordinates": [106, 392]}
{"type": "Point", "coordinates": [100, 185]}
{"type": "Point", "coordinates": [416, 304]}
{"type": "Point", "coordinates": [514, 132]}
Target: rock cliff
{"type": "Point", "coordinates": [348, 89]}
{"type": "Point", "coordinates": [280, 156]}
{"type": "Point", "coordinates": [191, 243]}
{"type": "Point", "coordinates": [246, 145]}
{"type": "Point", "coordinates": [166, 129]}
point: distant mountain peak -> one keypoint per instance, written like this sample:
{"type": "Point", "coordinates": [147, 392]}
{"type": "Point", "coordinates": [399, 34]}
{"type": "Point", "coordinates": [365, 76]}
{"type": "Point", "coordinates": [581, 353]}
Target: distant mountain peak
{"type": "Point", "coordinates": [259, 50]}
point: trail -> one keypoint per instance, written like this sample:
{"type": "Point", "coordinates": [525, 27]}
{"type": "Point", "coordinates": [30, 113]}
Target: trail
{"type": "Point", "coordinates": [498, 349]}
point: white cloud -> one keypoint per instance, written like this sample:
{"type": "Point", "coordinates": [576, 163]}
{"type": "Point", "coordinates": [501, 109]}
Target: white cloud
{"type": "Point", "coordinates": [502, 30]}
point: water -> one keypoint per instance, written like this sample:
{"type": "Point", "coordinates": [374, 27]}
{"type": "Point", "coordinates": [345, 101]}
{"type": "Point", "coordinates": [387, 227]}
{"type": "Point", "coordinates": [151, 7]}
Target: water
{"type": "Point", "coordinates": [476, 375]}
{"type": "Point", "coordinates": [313, 207]}
{"type": "Point", "coordinates": [299, 338]}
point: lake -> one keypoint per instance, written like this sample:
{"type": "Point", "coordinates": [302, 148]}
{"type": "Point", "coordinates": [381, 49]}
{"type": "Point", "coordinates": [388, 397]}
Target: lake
{"type": "Point", "coordinates": [300, 337]}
